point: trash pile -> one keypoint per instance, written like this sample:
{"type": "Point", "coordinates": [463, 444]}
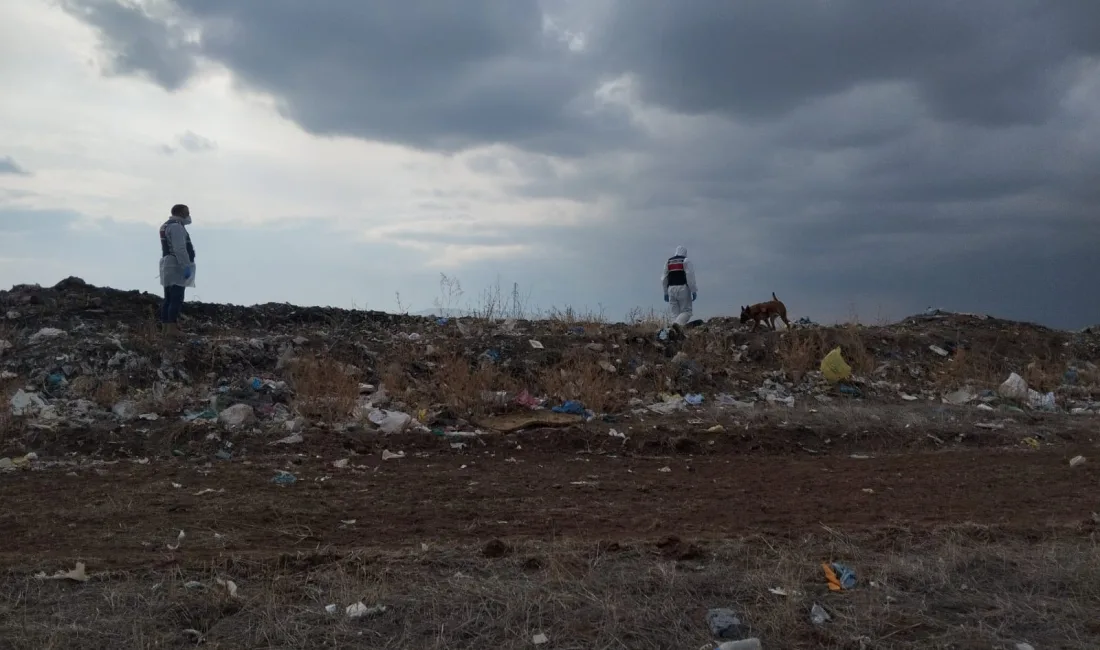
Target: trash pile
{"type": "Point", "coordinates": [84, 360]}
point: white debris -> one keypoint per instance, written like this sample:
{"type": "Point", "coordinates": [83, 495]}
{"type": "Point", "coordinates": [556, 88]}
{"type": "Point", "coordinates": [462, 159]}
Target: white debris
{"type": "Point", "coordinates": [292, 439]}
{"type": "Point", "coordinates": [744, 644]}
{"type": "Point", "coordinates": [959, 397]}
{"type": "Point", "coordinates": [535, 344]}
{"type": "Point", "coordinates": [617, 434]}
{"type": "Point", "coordinates": [26, 403]}
{"type": "Point", "coordinates": [359, 610]}
{"type": "Point", "coordinates": [179, 541]}
{"type": "Point", "coordinates": [1013, 388]}
{"type": "Point", "coordinates": [237, 415]}
{"type": "Point", "coordinates": [125, 410]}
{"type": "Point", "coordinates": [540, 639]}
{"type": "Point", "coordinates": [665, 469]}
{"type": "Point", "coordinates": [1076, 460]}
{"type": "Point", "coordinates": [77, 574]}
{"type": "Point", "coordinates": [389, 455]}
{"type": "Point", "coordinates": [390, 421]}
{"type": "Point", "coordinates": [938, 350]}
{"type": "Point", "coordinates": [331, 609]}
{"type": "Point", "coordinates": [230, 586]}
{"type": "Point", "coordinates": [46, 333]}
{"type": "Point", "coordinates": [340, 464]}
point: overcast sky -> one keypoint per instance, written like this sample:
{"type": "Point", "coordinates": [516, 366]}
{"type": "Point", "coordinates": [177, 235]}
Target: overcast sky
{"type": "Point", "coordinates": [857, 157]}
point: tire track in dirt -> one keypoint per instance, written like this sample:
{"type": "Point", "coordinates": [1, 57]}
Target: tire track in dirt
{"type": "Point", "coordinates": [125, 516]}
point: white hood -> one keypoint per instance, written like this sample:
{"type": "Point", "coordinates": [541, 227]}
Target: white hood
{"type": "Point", "coordinates": [681, 251]}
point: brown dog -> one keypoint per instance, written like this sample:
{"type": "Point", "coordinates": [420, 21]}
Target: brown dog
{"type": "Point", "coordinates": [765, 312]}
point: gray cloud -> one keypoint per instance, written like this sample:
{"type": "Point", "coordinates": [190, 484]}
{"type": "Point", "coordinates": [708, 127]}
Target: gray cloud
{"type": "Point", "coordinates": [834, 151]}
{"type": "Point", "coordinates": [137, 43]}
{"type": "Point", "coordinates": [190, 142]}
{"type": "Point", "coordinates": [9, 166]}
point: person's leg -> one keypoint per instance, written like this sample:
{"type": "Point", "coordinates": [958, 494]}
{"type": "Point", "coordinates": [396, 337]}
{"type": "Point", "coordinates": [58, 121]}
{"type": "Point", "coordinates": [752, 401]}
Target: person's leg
{"type": "Point", "coordinates": [175, 303]}
{"type": "Point", "coordinates": [680, 299]}
{"type": "Point", "coordinates": [165, 304]}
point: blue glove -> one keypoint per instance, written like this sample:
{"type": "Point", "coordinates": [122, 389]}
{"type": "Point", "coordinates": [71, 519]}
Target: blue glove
{"type": "Point", "coordinates": [187, 273]}
{"type": "Point", "coordinates": [693, 294]}
{"type": "Point", "coordinates": [666, 297]}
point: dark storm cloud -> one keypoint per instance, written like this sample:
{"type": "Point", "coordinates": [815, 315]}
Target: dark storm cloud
{"type": "Point", "coordinates": [136, 43]}
{"type": "Point", "coordinates": [899, 153]}
{"type": "Point", "coordinates": [9, 166]}
{"type": "Point", "coordinates": [987, 62]}
{"type": "Point", "coordinates": [441, 76]}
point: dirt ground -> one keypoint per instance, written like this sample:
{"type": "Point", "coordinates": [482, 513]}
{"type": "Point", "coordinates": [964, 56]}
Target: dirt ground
{"type": "Point", "coordinates": [534, 522]}
{"type": "Point", "coordinates": [123, 515]}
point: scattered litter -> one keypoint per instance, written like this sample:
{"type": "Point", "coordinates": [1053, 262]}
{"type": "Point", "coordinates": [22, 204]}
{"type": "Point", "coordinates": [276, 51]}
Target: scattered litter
{"type": "Point", "coordinates": [608, 367]}
{"type": "Point", "coordinates": [292, 439]}
{"type": "Point", "coordinates": [359, 610]}
{"type": "Point", "coordinates": [787, 401]}
{"type": "Point", "coordinates": [744, 644]}
{"type": "Point", "coordinates": [839, 576]}
{"type": "Point", "coordinates": [990, 425]}
{"type": "Point", "coordinates": [205, 491]}
{"type": "Point", "coordinates": [779, 591]}
{"type": "Point", "coordinates": [834, 368]}
{"type": "Point", "coordinates": [848, 389]}
{"type": "Point", "coordinates": [237, 415]}
{"type": "Point", "coordinates": [390, 421]}
{"type": "Point", "coordinates": [537, 345]}
{"type": "Point", "coordinates": [284, 478]}
{"type": "Point", "coordinates": [695, 399]}
{"type": "Point", "coordinates": [348, 522]}
{"type": "Point", "coordinates": [571, 407]}
{"type": "Point", "coordinates": [1031, 442]}
{"type": "Point", "coordinates": [331, 609]}
{"type": "Point", "coordinates": [1013, 388]}
{"type": "Point", "coordinates": [818, 615]}
{"type": "Point", "coordinates": [340, 464]}
{"type": "Point", "coordinates": [193, 584]}
{"type": "Point", "coordinates": [725, 624]}
{"type": "Point", "coordinates": [46, 333]}
{"type": "Point", "coordinates": [77, 574]}
{"type": "Point", "coordinates": [223, 454]}
{"type": "Point", "coordinates": [389, 455]}
{"type": "Point", "coordinates": [665, 469]}
{"type": "Point", "coordinates": [959, 397]}
{"type": "Point", "coordinates": [938, 350]}
{"type": "Point", "coordinates": [617, 434]}
{"type": "Point", "coordinates": [718, 428]}
{"type": "Point", "coordinates": [26, 403]}
{"type": "Point", "coordinates": [1076, 460]}
{"type": "Point", "coordinates": [1040, 401]}
{"type": "Point", "coordinates": [909, 398]}
{"type": "Point", "coordinates": [540, 639]}
{"type": "Point", "coordinates": [179, 542]}
{"type": "Point", "coordinates": [1024, 646]}
{"type": "Point", "coordinates": [522, 420]}
{"type": "Point", "coordinates": [230, 586]}
{"type": "Point", "coordinates": [729, 400]}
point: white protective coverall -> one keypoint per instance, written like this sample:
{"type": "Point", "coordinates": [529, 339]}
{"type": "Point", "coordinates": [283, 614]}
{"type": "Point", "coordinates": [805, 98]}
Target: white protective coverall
{"type": "Point", "coordinates": [678, 282]}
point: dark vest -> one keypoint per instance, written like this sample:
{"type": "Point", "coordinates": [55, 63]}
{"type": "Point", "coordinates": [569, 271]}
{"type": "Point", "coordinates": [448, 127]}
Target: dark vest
{"type": "Point", "coordinates": [677, 276]}
{"type": "Point", "coordinates": [166, 248]}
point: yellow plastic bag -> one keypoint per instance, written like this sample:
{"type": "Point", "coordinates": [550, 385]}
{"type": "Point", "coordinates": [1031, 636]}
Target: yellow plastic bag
{"type": "Point", "coordinates": [834, 367]}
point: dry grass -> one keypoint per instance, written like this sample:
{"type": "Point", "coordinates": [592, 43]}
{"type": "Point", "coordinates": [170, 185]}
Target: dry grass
{"type": "Point", "coordinates": [968, 587]}
{"type": "Point", "coordinates": [802, 350]}
{"type": "Point", "coordinates": [324, 388]}
{"type": "Point", "coordinates": [580, 377]}
{"type": "Point", "coordinates": [467, 386]}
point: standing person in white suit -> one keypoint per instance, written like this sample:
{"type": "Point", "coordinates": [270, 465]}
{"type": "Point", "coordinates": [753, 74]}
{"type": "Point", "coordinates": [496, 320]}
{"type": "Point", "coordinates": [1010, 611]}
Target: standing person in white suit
{"type": "Point", "coordinates": [678, 282]}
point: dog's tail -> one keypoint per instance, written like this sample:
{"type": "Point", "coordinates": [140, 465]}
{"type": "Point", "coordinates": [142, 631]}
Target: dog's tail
{"type": "Point", "coordinates": [774, 298]}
